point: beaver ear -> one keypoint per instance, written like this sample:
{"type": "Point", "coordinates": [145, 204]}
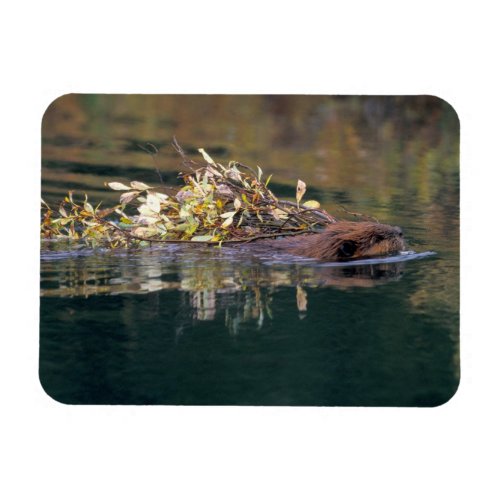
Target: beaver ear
{"type": "Point", "coordinates": [347, 249]}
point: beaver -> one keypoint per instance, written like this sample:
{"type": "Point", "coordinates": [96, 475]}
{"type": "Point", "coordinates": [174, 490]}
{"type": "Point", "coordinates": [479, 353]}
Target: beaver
{"type": "Point", "coordinates": [344, 240]}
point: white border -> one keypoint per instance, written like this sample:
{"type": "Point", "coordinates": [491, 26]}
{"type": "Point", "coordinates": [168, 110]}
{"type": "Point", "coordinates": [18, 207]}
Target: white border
{"type": "Point", "coordinates": [57, 451]}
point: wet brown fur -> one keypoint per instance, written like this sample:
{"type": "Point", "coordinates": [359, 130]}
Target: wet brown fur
{"type": "Point", "coordinates": [345, 241]}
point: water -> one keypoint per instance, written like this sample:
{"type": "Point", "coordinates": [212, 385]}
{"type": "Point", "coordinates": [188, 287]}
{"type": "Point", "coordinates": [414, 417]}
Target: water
{"type": "Point", "coordinates": [184, 325]}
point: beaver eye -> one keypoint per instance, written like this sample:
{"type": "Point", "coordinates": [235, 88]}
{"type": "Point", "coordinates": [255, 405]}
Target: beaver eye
{"type": "Point", "coordinates": [347, 249]}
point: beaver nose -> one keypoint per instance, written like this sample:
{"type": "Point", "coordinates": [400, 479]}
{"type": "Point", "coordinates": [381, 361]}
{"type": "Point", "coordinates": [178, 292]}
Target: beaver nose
{"type": "Point", "coordinates": [398, 231]}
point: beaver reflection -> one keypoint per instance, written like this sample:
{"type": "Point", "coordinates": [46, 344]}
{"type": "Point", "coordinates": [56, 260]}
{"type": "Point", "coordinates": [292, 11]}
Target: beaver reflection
{"type": "Point", "coordinates": [365, 276]}
{"type": "Point", "coordinates": [343, 241]}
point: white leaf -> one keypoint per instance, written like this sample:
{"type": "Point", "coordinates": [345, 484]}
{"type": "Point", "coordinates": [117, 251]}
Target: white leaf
{"type": "Point", "coordinates": [118, 186]}
{"type": "Point", "coordinates": [259, 170]}
{"type": "Point", "coordinates": [185, 211]}
{"type": "Point", "coordinates": [301, 189]}
{"type": "Point", "coordinates": [227, 214]}
{"type": "Point", "coordinates": [128, 197]}
{"type": "Point", "coordinates": [146, 210]}
{"type": "Point", "coordinates": [139, 185]}
{"type": "Point", "coordinates": [227, 222]}
{"type": "Point", "coordinates": [161, 196]}
{"type": "Point", "coordinates": [279, 214]}
{"type": "Point", "coordinates": [223, 190]}
{"type": "Point", "coordinates": [213, 172]}
{"type": "Point", "coordinates": [143, 219]}
{"type": "Point", "coordinates": [153, 203]}
{"type": "Point", "coordinates": [237, 204]}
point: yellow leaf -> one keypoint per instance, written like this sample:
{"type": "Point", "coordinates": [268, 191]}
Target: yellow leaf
{"type": "Point", "coordinates": [144, 232]}
{"type": "Point", "coordinates": [301, 299]}
{"type": "Point", "coordinates": [312, 204]}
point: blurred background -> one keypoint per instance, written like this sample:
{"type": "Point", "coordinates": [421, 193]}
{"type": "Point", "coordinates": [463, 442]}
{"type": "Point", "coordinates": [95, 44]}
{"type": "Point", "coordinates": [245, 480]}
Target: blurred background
{"type": "Point", "coordinates": [359, 149]}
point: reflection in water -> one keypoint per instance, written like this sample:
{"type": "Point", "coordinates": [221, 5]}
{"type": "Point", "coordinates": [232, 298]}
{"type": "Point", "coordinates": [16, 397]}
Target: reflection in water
{"type": "Point", "coordinates": [202, 272]}
{"type": "Point", "coordinates": [205, 326]}
{"type": "Point", "coordinates": [237, 282]}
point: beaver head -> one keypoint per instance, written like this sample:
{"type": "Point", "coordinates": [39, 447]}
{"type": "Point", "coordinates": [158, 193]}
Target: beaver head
{"type": "Point", "coordinates": [346, 240]}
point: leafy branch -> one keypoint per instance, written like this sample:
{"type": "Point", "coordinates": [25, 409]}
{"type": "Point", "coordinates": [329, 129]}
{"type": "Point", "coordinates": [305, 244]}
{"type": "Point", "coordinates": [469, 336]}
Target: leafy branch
{"type": "Point", "coordinates": [216, 204]}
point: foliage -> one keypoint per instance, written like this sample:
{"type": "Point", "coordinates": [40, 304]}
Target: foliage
{"type": "Point", "coordinates": [217, 204]}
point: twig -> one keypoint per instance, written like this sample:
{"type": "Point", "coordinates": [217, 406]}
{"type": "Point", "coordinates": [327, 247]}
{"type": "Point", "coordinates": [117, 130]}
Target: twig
{"type": "Point", "coordinates": [153, 155]}
{"type": "Point", "coordinates": [356, 214]}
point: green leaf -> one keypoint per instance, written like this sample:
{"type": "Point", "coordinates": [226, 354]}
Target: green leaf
{"type": "Point", "coordinates": [206, 156]}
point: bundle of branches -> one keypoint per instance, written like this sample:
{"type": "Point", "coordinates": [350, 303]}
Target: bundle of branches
{"type": "Point", "coordinates": [217, 204]}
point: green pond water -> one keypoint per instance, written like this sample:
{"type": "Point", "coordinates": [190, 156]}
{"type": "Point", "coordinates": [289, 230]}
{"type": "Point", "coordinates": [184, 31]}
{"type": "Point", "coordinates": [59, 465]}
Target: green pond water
{"type": "Point", "coordinates": [235, 326]}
